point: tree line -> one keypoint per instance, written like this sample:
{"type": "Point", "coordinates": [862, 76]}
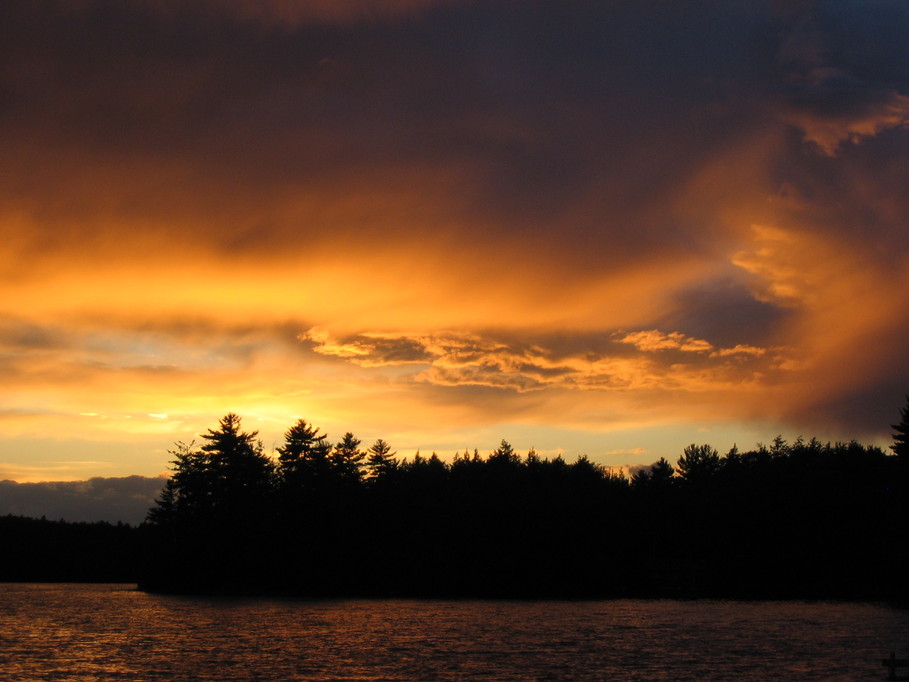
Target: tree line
{"type": "Point", "coordinates": [44, 550]}
{"type": "Point", "coordinates": [801, 519]}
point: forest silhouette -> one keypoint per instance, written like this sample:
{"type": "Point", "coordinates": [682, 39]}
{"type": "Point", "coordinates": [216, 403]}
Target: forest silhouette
{"type": "Point", "coordinates": [788, 520]}
{"type": "Point", "coordinates": [800, 519]}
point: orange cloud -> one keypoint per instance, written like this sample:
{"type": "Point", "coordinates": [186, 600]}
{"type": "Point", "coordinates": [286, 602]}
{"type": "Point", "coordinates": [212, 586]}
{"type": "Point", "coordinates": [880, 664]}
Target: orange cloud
{"type": "Point", "coordinates": [829, 132]}
{"type": "Point", "coordinates": [654, 339]}
{"type": "Point", "coordinates": [450, 359]}
{"type": "Point", "coordinates": [849, 312]}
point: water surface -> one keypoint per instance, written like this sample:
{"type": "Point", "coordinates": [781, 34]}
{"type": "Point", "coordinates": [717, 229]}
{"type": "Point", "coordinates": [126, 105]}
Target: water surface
{"type": "Point", "coordinates": [101, 632]}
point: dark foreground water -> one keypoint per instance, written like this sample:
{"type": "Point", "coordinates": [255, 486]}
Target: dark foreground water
{"type": "Point", "coordinates": [100, 632]}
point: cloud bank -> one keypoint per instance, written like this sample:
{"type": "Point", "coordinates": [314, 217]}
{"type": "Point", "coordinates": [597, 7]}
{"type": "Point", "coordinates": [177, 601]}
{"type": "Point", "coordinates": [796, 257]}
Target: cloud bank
{"type": "Point", "coordinates": [125, 500]}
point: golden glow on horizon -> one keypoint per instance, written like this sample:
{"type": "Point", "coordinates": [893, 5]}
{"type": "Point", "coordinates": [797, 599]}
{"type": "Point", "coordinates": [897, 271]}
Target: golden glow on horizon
{"type": "Point", "coordinates": [131, 343]}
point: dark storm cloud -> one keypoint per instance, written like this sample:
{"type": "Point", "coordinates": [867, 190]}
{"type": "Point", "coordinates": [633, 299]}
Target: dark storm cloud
{"type": "Point", "coordinates": [539, 109]}
{"type": "Point", "coordinates": [725, 312]}
{"type": "Point", "coordinates": [526, 115]}
{"type": "Point", "coordinates": [840, 58]}
{"type": "Point", "coordinates": [840, 64]}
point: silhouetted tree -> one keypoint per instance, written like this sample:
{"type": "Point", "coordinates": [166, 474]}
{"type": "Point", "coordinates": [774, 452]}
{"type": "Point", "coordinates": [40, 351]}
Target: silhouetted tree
{"type": "Point", "coordinates": [662, 473]}
{"type": "Point", "coordinates": [583, 470]}
{"type": "Point", "coordinates": [380, 460]}
{"type": "Point", "coordinates": [304, 461]}
{"type": "Point", "coordinates": [799, 519]}
{"type": "Point", "coordinates": [532, 458]}
{"type": "Point", "coordinates": [346, 459]}
{"type": "Point", "coordinates": [430, 468]}
{"type": "Point", "coordinates": [698, 463]}
{"type": "Point", "coordinates": [504, 454]}
{"type": "Point", "coordinates": [210, 524]}
{"type": "Point", "coordinates": [165, 505]}
{"type": "Point", "coordinates": [658, 475]}
{"type": "Point", "coordinates": [901, 436]}
{"type": "Point", "coordinates": [39, 550]}
{"type": "Point", "coordinates": [241, 472]}
{"type": "Point", "coordinates": [229, 475]}
{"type": "Point", "coordinates": [468, 462]}
{"type": "Point", "coordinates": [190, 489]}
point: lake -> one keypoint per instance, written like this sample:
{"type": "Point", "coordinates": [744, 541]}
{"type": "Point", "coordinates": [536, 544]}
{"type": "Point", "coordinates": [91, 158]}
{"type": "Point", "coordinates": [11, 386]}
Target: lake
{"type": "Point", "coordinates": [103, 632]}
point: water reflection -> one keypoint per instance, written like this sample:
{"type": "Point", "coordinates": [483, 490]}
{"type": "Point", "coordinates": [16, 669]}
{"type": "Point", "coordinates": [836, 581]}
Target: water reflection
{"type": "Point", "coordinates": [92, 632]}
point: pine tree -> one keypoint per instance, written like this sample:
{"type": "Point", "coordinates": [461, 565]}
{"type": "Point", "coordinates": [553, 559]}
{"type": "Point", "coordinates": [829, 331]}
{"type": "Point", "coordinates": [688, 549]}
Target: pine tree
{"type": "Point", "coordinates": [901, 437]}
{"type": "Point", "coordinates": [660, 474]}
{"type": "Point", "coordinates": [346, 459]}
{"type": "Point", "coordinates": [189, 493]}
{"type": "Point", "coordinates": [304, 459]}
{"type": "Point", "coordinates": [504, 454]}
{"type": "Point", "coordinates": [381, 460]}
{"type": "Point", "coordinates": [698, 463]}
{"type": "Point", "coordinates": [240, 469]}
{"type": "Point", "coordinates": [227, 477]}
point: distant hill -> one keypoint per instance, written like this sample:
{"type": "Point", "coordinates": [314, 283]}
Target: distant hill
{"type": "Point", "coordinates": [125, 499]}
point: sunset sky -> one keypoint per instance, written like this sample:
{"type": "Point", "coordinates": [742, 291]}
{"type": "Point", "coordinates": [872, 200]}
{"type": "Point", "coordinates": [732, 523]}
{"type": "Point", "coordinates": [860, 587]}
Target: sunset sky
{"type": "Point", "coordinates": [602, 228]}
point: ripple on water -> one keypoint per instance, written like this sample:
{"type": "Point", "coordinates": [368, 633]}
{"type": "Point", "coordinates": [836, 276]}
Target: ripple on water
{"type": "Point", "coordinates": [101, 632]}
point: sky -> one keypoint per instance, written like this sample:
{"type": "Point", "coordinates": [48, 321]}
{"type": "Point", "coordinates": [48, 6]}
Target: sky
{"type": "Point", "coordinates": [602, 228]}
